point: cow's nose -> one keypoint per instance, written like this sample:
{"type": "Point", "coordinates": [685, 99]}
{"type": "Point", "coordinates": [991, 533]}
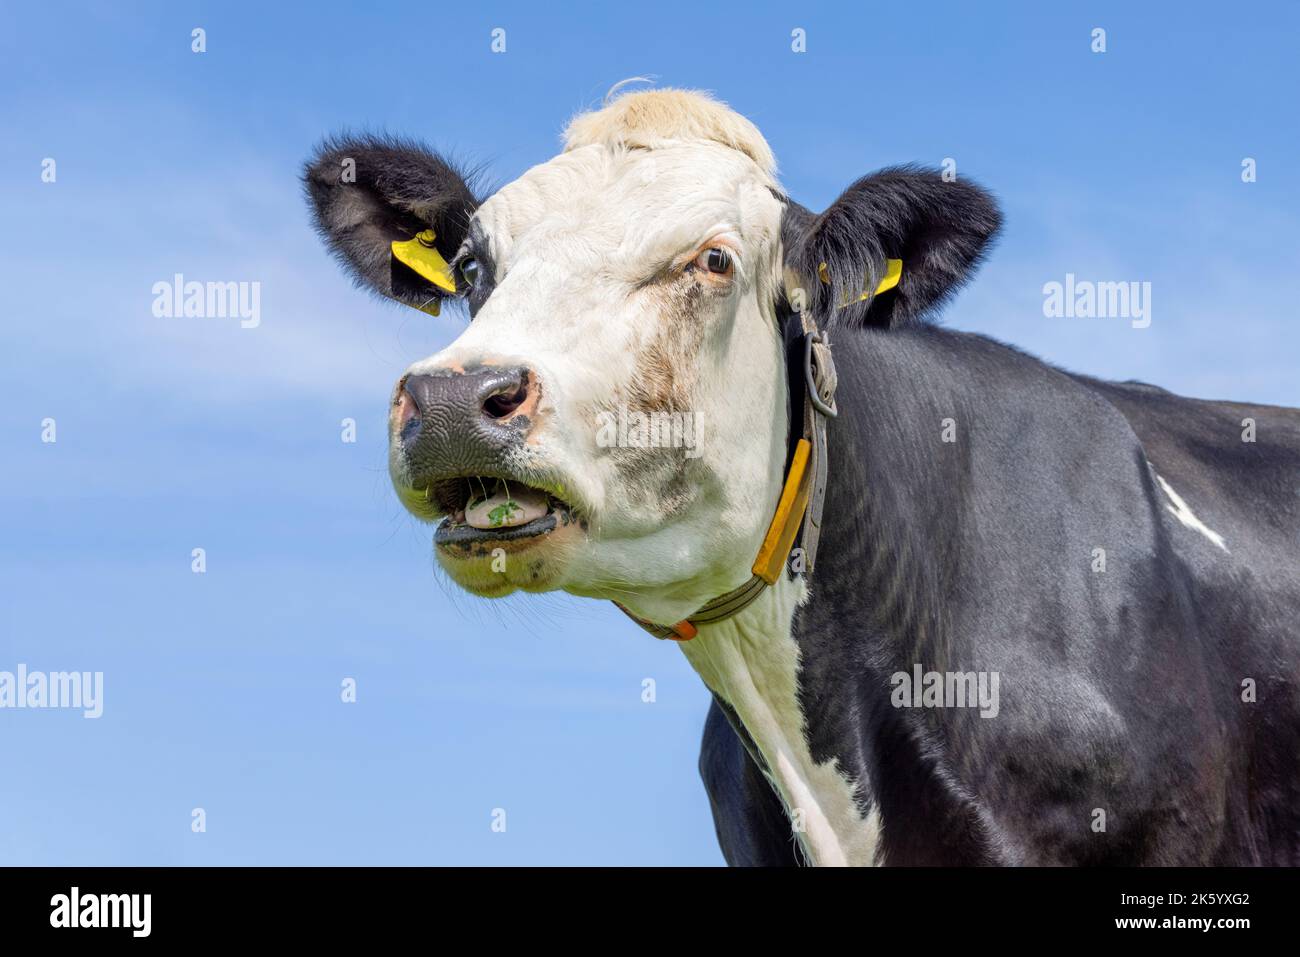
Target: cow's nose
{"type": "Point", "coordinates": [495, 393]}
{"type": "Point", "coordinates": [455, 421]}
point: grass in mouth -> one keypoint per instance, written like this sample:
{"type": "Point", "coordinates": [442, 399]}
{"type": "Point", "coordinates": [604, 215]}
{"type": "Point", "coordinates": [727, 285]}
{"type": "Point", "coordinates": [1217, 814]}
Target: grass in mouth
{"type": "Point", "coordinates": [502, 512]}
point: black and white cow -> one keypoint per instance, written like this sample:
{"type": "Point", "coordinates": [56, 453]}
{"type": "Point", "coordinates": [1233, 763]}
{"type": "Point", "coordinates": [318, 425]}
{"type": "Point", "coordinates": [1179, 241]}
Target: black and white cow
{"type": "Point", "coordinates": [1050, 619]}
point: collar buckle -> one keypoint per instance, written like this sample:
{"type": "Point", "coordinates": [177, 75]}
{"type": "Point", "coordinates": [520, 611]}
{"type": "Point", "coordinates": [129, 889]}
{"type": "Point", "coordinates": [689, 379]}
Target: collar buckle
{"type": "Point", "coordinates": [819, 373]}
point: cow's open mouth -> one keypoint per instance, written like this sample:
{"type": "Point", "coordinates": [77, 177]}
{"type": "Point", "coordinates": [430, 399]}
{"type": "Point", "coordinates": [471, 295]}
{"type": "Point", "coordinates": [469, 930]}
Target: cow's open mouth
{"type": "Point", "coordinates": [481, 509]}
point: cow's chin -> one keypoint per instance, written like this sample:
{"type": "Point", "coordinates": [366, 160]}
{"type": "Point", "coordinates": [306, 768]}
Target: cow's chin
{"type": "Point", "coordinates": [492, 563]}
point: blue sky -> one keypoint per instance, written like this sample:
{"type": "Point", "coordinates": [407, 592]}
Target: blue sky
{"type": "Point", "coordinates": [222, 689]}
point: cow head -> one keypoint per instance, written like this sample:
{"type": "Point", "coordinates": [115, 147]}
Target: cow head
{"type": "Point", "coordinates": [613, 420]}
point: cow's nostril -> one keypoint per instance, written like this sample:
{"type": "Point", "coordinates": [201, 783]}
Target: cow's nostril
{"type": "Point", "coordinates": [503, 403]}
{"type": "Point", "coordinates": [447, 406]}
{"type": "Point", "coordinates": [405, 411]}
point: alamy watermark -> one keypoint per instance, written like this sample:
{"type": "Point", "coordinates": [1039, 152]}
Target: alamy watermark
{"type": "Point", "coordinates": [1085, 299]}
{"type": "Point", "coordinates": [83, 690]}
{"type": "Point", "coordinates": [128, 911]}
{"type": "Point", "coordinates": [946, 689]}
{"type": "Point", "coordinates": [179, 299]}
{"type": "Point", "coordinates": [626, 429]}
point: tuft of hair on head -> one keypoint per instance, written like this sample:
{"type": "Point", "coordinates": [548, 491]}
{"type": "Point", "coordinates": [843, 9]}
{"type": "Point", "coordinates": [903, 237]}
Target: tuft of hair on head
{"type": "Point", "coordinates": [653, 119]}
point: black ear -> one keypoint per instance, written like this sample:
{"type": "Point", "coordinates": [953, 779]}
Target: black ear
{"type": "Point", "coordinates": [940, 230]}
{"type": "Point", "coordinates": [369, 191]}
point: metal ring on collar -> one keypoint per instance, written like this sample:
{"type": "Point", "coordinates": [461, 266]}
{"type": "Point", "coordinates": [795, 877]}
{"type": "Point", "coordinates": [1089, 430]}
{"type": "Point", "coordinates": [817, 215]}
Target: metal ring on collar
{"type": "Point", "coordinates": [814, 394]}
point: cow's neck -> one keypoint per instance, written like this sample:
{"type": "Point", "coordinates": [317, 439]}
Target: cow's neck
{"type": "Point", "coordinates": [871, 608]}
{"type": "Point", "coordinates": [751, 662]}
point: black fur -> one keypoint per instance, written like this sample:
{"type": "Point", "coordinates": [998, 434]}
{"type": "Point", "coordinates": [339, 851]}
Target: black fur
{"type": "Point", "coordinates": [1120, 691]}
{"type": "Point", "coordinates": [401, 189]}
{"type": "Point", "coordinates": [940, 231]}
{"type": "Point", "coordinates": [751, 824]}
{"type": "Point", "coordinates": [478, 248]}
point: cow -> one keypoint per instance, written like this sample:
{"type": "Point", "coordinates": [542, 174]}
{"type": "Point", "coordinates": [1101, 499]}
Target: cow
{"type": "Point", "coordinates": [955, 605]}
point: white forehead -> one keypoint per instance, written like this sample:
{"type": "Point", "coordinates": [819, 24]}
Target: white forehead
{"type": "Point", "coordinates": [631, 208]}
{"type": "Point", "coordinates": [639, 183]}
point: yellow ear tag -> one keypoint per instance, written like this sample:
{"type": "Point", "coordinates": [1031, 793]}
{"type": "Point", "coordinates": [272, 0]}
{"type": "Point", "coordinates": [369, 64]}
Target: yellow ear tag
{"type": "Point", "coordinates": [893, 273]}
{"type": "Point", "coordinates": [421, 255]}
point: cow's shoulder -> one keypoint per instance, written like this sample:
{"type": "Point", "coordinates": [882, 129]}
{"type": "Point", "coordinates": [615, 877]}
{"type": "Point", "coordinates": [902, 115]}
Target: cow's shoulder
{"type": "Point", "coordinates": [1241, 457]}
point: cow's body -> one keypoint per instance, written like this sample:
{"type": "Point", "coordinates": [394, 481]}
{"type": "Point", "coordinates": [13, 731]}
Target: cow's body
{"type": "Point", "coordinates": [1121, 690]}
{"type": "Point", "coordinates": [1112, 564]}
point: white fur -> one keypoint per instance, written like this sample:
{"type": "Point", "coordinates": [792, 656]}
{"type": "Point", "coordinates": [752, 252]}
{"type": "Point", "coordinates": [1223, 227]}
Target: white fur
{"type": "Point", "coordinates": [1181, 511]}
{"type": "Point", "coordinates": [578, 243]}
{"type": "Point", "coordinates": [752, 662]}
{"type": "Point", "coordinates": [656, 118]}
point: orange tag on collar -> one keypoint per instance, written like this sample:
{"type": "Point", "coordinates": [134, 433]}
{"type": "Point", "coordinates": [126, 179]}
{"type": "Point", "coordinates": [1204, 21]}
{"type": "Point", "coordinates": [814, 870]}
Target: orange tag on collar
{"type": "Point", "coordinates": [684, 631]}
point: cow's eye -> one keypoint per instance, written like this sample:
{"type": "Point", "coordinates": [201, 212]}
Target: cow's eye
{"type": "Point", "coordinates": [716, 260]}
{"type": "Point", "coordinates": [469, 271]}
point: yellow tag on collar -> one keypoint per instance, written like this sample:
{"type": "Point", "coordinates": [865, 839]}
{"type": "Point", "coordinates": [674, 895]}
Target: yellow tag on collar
{"type": "Point", "coordinates": [422, 256]}
{"type": "Point", "coordinates": [893, 273]}
{"type": "Point", "coordinates": [785, 523]}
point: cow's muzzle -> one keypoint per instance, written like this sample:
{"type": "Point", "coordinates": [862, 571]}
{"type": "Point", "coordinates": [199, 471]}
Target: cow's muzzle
{"type": "Point", "coordinates": [460, 451]}
{"type": "Point", "coordinates": [461, 422]}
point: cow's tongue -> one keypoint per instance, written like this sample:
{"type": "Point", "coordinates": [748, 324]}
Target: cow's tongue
{"type": "Point", "coordinates": [505, 509]}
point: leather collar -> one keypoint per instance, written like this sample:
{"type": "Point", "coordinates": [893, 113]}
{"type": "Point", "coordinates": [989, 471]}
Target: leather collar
{"type": "Point", "coordinates": [812, 383]}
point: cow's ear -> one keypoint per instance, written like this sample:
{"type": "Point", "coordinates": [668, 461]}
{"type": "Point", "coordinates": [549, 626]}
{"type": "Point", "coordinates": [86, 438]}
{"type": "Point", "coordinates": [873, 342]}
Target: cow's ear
{"type": "Point", "coordinates": [894, 246]}
{"type": "Point", "coordinates": [393, 212]}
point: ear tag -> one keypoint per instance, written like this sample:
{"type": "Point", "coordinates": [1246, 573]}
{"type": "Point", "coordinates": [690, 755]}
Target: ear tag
{"type": "Point", "coordinates": [893, 273]}
{"type": "Point", "coordinates": [422, 256]}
